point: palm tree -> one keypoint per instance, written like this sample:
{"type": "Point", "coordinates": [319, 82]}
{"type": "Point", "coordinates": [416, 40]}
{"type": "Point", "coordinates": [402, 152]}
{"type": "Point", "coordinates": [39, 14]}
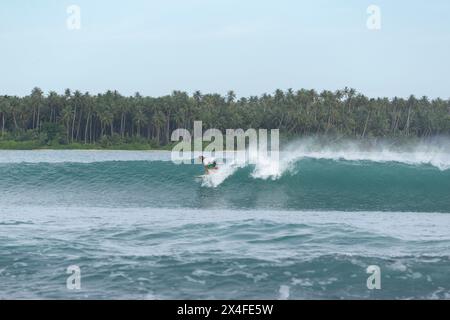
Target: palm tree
{"type": "Point", "coordinates": [36, 100]}
{"type": "Point", "coordinates": [231, 96]}
{"type": "Point", "coordinates": [4, 108]}
{"type": "Point", "coordinates": [66, 116]}
{"type": "Point", "coordinates": [139, 118]}
{"type": "Point", "coordinates": [53, 102]}
{"type": "Point", "coordinates": [158, 121]}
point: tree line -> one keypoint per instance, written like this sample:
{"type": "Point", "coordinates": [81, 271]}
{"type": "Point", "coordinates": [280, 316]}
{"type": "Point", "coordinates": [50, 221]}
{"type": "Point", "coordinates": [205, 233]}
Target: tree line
{"type": "Point", "coordinates": [109, 118]}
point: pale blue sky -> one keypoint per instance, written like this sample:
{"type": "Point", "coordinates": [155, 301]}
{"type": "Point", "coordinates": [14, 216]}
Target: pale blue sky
{"type": "Point", "coordinates": [250, 46]}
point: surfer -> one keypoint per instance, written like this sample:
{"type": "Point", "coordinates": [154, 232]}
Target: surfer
{"type": "Point", "coordinates": [209, 164]}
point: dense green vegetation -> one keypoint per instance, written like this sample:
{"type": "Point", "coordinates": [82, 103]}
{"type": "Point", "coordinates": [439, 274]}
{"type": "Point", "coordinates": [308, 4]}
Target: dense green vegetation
{"type": "Point", "coordinates": [77, 120]}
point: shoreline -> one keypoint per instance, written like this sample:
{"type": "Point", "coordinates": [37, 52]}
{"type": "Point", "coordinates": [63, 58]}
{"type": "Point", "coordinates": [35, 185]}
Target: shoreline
{"type": "Point", "coordinates": [319, 140]}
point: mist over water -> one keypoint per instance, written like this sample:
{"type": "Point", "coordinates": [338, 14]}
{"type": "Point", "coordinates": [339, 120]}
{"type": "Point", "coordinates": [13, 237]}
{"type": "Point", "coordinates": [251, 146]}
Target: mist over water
{"type": "Point", "coordinates": [140, 226]}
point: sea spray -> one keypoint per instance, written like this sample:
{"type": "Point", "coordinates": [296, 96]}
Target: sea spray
{"type": "Point", "coordinates": [216, 177]}
{"type": "Point", "coordinates": [432, 151]}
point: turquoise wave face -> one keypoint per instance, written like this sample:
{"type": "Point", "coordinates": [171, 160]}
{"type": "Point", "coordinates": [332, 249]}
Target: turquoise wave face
{"type": "Point", "coordinates": [308, 184]}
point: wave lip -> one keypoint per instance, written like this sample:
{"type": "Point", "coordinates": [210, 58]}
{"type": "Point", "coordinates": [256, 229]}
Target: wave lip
{"type": "Point", "coordinates": [438, 160]}
{"type": "Point", "coordinates": [267, 168]}
{"type": "Point", "coordinates": [435, 152]}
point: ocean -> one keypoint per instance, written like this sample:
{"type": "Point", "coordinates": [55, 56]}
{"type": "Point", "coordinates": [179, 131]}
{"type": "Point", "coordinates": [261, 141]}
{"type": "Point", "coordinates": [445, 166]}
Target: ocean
{"type": "Point", "coordinates": [139, 226]}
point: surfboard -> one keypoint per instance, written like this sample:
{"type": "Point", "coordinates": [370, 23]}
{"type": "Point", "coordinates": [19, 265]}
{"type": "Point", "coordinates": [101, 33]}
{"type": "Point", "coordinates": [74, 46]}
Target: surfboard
{"type": "Point", "coordinates": [206, 175]}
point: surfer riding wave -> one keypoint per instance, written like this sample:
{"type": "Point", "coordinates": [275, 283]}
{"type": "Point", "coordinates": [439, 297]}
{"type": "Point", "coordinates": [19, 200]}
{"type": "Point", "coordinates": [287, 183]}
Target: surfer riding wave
{"type": "Point", "coordinates": [210, 164]}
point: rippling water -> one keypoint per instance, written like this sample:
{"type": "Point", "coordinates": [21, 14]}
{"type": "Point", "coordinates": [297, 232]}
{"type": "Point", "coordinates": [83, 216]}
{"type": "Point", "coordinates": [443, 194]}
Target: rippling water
{"type": "Point", "coordinates": [139, 226]}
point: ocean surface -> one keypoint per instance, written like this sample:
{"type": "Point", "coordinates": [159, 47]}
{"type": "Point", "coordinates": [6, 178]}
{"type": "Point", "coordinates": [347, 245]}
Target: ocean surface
{"type": "Point", "coordinates": [139, 226]}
